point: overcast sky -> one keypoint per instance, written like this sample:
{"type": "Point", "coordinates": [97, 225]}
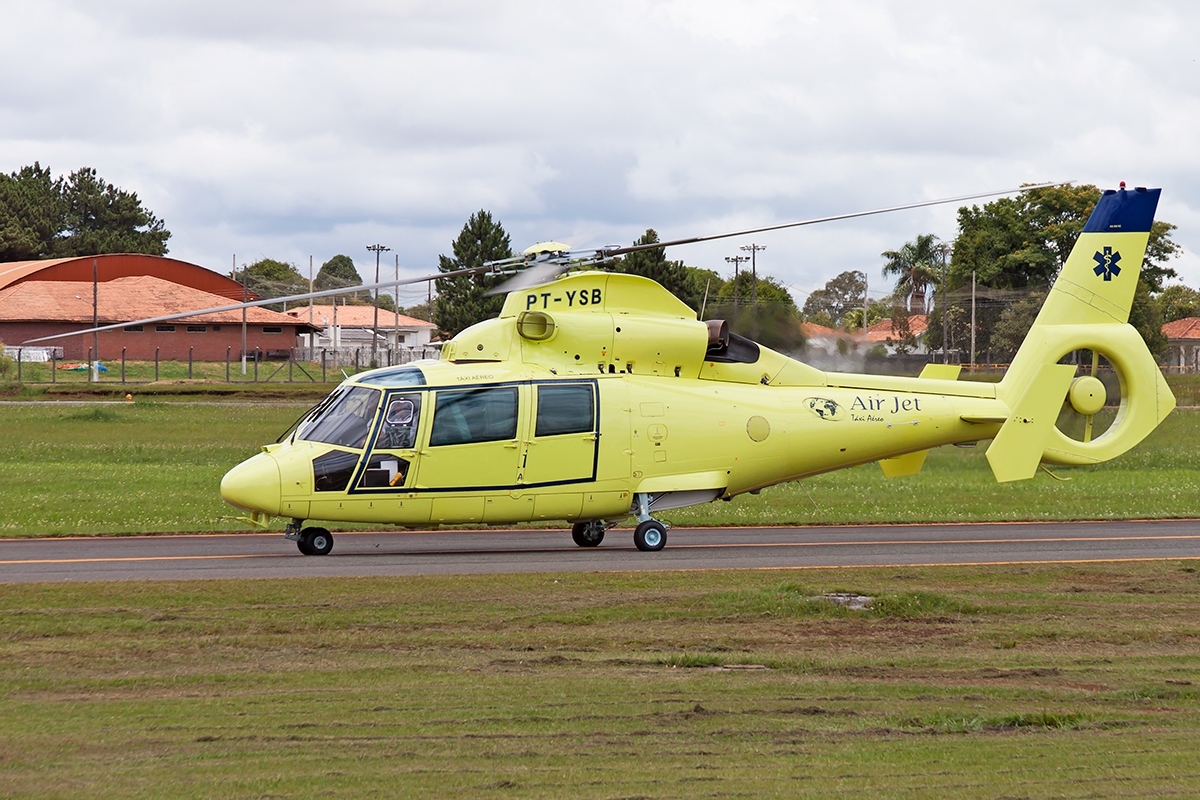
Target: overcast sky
{"type": "Point", "coordinates": [298, 129]}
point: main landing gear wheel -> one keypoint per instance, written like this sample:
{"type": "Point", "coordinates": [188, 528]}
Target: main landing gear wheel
{"type": "Point", "coordinates": [589, 533]}
{"type": "Point", "coordinates": [650, 536]}
{"type": "Point", "coordinates": [315, 542]}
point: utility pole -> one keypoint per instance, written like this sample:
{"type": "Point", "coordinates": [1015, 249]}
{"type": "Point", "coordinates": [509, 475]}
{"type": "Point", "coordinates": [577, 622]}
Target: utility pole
{"type": "Point", "coordinates": [736, 261]}
{"type": "Point", "coordinates": [245, 291]}
{"type": "Point", "coordinates": [396, 307]}
{"type": "Point", "coordinates": [945, 323]}
{"type": "Point", "coordinates": [753, 250]}
{"type": "Point", "coordinates": [95, 323]}
{"type": "Point", "coordinates": [972, 319]}
{"type": "Point", "coordinates": [376, 249]}
{"type": "Point", "coordinates": [864, 325]}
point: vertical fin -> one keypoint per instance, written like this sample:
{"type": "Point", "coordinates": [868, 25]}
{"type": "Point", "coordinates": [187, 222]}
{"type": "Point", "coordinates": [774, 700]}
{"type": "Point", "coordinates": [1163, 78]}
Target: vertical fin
{"type": "Point", "coordinates": [1017, 450]}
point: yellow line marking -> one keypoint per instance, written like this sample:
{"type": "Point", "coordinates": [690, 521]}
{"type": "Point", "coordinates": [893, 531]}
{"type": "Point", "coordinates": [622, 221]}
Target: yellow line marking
{"type": "Point", "coordinates": [141, 558]}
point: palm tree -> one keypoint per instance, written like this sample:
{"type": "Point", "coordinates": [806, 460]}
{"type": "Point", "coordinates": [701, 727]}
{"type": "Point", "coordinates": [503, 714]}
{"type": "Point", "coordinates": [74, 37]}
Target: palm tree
{"type": "Point", "coordinates": [916, 264]}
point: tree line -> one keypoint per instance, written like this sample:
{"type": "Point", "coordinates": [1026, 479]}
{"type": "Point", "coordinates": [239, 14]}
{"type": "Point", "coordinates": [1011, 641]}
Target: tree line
{"type": "Point", "coordinates": [1010, 250]}
{"type": "Point", "coordinates": [1007, 253]}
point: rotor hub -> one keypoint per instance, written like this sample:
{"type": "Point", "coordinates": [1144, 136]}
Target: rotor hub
{"type": "Point", "coordinates": [1087, 395]}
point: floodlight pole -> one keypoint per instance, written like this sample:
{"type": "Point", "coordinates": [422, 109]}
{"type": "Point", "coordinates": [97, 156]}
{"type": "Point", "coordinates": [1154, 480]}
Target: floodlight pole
{"type": "Point", "coordinates": [376, 249]}
{"type": "Point", "coordinates": [736, 261]}
{"type": "Point", "coordinates": [753, 250]}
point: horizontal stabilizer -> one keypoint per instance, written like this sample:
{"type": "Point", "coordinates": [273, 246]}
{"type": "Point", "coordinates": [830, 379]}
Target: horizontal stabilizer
{"type": "Point", "coordinates": [945, 372]}
{"type": "Point", "coordinates": [907, 464]}
{"type": "Point", "coordinates": [986, 419]}
{"type": "Point", "coordinates": [1017, 450]}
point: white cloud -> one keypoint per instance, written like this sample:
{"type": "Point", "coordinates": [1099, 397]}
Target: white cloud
{"type": "Point", "coordinates": [312, 128]}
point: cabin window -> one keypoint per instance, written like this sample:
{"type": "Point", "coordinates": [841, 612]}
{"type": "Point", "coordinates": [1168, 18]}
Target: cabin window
{"type": "Point", "coordinates": [474, 415]}
{"type": "Point", "coordinates": [565, 409]}
{"type": "Point", "coordinates": [346, 421]}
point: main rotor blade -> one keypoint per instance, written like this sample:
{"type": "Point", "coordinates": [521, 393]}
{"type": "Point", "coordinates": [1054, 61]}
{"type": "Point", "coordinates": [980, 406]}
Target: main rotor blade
{"type": "Point", "coordinates": [607, 253]}
{"type": "Point", "coordinates": [488, 267]}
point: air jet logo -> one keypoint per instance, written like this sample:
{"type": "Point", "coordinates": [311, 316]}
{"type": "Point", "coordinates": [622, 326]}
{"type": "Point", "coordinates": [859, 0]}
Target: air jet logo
{"type": "Point", "coordinates": [1106, 263]}
{"type": "Point", "coordinates": [825, 408]}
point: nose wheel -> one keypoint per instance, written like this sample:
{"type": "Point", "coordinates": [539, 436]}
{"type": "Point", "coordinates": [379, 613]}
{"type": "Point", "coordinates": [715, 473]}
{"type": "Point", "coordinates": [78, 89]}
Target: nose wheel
{"type": "Point", "coordinates": [315, 542]}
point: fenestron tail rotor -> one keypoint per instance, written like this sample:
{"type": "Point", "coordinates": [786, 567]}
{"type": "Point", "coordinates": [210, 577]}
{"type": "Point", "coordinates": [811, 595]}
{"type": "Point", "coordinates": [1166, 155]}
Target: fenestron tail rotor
{"type": "Point", "coordinates": [1087, 399]}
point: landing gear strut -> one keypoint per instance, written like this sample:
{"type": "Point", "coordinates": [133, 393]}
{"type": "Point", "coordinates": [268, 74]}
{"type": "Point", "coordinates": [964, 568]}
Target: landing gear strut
{"type": "Point", "coordinates": [650, 534]}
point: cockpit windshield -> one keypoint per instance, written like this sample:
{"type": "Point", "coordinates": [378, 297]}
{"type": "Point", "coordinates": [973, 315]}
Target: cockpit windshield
{"type": "Point", "coordinates": [401, 376]}
{"type": "Point", "coordinates": [346, 421]}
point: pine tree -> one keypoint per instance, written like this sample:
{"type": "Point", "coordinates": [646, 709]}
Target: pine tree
{"type": "Point", "coordinates": [462, 300]}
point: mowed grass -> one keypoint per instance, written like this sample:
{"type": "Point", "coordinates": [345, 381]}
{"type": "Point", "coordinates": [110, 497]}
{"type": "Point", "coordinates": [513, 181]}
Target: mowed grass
{"type": "Point", "coordinates": [141, 467]}
{"type": "Point", "coordinates": [156, 467]}
{"type": "Point", "coordinates": [1040, 681]}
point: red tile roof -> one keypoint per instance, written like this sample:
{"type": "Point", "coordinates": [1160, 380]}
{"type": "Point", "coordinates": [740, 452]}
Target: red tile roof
{"type": "Point", "coordinates": [1186, 328]}
{"type": "Point", "coordinates": [811, 329]}
{"type": "Point", "coordinates": [122, 300]}
{"type": "Point", "coordinates": [882, 331]}
{"type": "Point", "coordinates": [356, 317]}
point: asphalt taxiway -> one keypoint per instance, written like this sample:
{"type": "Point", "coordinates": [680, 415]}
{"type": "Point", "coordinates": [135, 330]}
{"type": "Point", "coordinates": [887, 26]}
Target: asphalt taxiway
{"type": "Point", "coordinates": [269, 555]}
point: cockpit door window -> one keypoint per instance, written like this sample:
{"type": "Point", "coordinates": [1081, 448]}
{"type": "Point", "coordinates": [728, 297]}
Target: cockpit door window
{"type": "Point", "coordinates": [398, 431]}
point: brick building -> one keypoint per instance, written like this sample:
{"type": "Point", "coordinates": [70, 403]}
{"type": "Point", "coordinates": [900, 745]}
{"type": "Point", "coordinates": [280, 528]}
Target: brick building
{"type": "Point", "coordinates": [33, 308]}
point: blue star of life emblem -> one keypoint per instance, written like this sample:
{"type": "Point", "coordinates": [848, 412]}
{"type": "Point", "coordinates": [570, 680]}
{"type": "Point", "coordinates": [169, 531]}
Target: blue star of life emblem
{"type": "Point", "coordinates": [1106, 263]}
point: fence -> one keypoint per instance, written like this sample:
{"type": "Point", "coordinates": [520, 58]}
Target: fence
{"type": "Point", "coordinates": [313, 365]}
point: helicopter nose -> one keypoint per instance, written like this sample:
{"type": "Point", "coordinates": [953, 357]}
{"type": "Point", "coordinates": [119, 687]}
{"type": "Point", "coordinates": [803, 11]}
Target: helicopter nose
{"type": "Point", "coordinates": [253, 485]}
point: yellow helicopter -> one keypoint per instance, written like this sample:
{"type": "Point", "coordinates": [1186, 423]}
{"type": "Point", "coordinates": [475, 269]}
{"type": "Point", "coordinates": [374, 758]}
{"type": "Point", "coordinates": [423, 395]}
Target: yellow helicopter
{"type": "Point", "coordinates": [595, 397]}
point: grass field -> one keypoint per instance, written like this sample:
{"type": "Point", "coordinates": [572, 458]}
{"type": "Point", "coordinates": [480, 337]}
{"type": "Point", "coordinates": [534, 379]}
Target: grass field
{"type": "Point", "coordinates": [157, 466]}
{"type": "Point", "coordinates": [990, 682]}
{"type": "Point", "coordinates": [1054, 681]}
